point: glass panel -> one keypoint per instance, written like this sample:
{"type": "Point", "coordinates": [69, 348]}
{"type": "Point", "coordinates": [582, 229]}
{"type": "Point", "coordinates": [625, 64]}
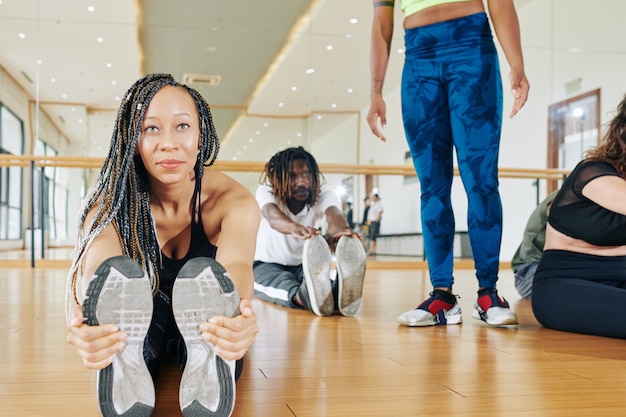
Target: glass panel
{"type": "Point", "coordinates": [12, 136]}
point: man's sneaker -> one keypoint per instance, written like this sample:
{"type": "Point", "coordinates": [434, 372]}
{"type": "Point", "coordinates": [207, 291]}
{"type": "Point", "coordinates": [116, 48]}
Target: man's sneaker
{"type": "Point", "coordinates": [316, 291]}
{"type": "Point", "coordinates": [203, 289]}
{"type": "Point", "coordinates": [441, 308]}
{"type": "Point", "coordinates": [493, 309]}
{"type": "Point", "coordinates": [119, 293]}
{"type": "Point", "coordinates": [350, 258]}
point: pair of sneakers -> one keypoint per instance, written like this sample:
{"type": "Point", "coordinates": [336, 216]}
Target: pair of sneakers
{"type": "Point", "coordinates": [120, 293]}
{"type": "Point", "coordinates": [442, 308]}
{"type": "Point", "coordinates": [318, 292]}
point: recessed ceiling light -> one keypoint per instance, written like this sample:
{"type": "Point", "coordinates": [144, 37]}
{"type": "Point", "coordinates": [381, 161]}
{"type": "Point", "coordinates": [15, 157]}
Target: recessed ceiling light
{"type": "Point", "coordinates": [294, 88]}
{"type": "Point", "coordinates": [113, 82]}
{"type": "Point", "coordinates": [21, 35]}
{"type": "Point", "coordinates": [64, 95]}
{"type": "Point", "coordinates": [318, 117]}
{"type": "Point", "coordinates": [310, 71]}
{"type": "Point", "coordinates": [350, 90]}
{"type": "Point", "coordinates": [334, 105]}
{"type": "Point", "coordinates": [39, 61]}
{"type": "Point", "coordinates": [354, 20]}
{"type": "Point", "coordinates": [266, 124]}
{"type": "Point", "coordinates": [211, 48]}
{"type": "Point", "coordinates": [100, 39]}
{"type": "Point", "coordinates": [91, 9]}
{"type": "Point", "coordinates": [117, 98]}
{"type": "Point", "coordinates": [299, 134]}
{"type": "Point", "coordinates": [109, 65]}
{"type": "Point", "coordinates": [250, 140]}
{"type": "Point", "coordinates": [329, 47]}
{"type": "Point", "coordinates": [281, 104]}
{"type": "Point", "coordinates": [288, 142]}
{"type": "Point", "coordinates": [53, 80]}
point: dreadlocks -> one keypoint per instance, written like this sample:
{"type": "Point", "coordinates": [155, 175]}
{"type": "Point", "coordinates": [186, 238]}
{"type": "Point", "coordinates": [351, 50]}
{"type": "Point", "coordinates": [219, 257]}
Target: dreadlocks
{"type": "Point", "coordinates": [121, 191]}
{"type": "Point", "coordinates": [278, 174]}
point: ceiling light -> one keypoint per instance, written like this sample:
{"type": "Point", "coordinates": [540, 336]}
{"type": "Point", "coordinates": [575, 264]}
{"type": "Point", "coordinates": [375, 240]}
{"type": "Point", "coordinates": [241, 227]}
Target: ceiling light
{"type": "Point", "coordinates": [266, 124]}
{"type": "Point", "coordinates": [99, 39]}
{"type": "Point", "coordinates": [281, 104]}
{"type": "Point", "coordinates": [350, 90]}
{"type": "Point", "coordinates": [250, 140]}
{"type": "Point", "coordinates": [109, 65]}
{"type": "Point", "coordinates": [211, 48]}
{"type": "Point", "coordinates": [91, 9]}
{"type": "Point", "coordinates": [53, 80]}
{"type": "Point", "coordinates": [318, 117]}
{"type": "Point", "coordinates": [21, 35]}
{"type": "Point", "coordinates": [39, 61]}
{"type": "Point", "coordinates": [294, 88]}
{"type": "Point", "coordinates": [202, 79]}
{"type": "Point", "coordinates": [310, 71]}
{"type": "Point", "coordinates": [354, 20]}
{"type": "Point", "coordinates": [329, 47]}
{"type": "Point", "coordinates": [113, 82]}
{"type": "Point", "coordinates": [64, 95]}
{"type": "Point", "coordinates": [334, 105]}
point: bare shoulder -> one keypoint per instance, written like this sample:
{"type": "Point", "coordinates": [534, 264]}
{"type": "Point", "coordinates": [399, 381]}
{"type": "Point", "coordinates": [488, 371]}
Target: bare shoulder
{"type": "Point", "coordinates": [223, 194]}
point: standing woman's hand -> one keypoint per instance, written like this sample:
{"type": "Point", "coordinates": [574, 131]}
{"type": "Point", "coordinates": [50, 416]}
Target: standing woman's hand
{"type": "Point", "coordinates": [378, 110]}
{"type": "Point", "coordinates": [519, 89]}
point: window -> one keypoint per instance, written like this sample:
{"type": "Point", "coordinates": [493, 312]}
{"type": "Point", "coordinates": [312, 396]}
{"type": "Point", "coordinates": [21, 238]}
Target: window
{"type": "Point", "coordinates": [11, 142]}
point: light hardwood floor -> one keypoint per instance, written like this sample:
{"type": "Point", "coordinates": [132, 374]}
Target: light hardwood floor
{"type": "Point", "coordinates": [307, 366]}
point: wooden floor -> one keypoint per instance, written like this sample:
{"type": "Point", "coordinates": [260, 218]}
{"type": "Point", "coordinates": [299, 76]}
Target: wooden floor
{"type": "Point", "coordinates": [307, 366]}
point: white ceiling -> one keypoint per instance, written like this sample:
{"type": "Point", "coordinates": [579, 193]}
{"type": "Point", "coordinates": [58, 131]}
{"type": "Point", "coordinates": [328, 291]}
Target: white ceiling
{"type": "Point", "coordinates": [261, 50]}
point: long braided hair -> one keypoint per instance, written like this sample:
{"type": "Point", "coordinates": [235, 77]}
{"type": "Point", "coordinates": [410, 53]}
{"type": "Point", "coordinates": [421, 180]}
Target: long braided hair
{"type": "Point", "coordinates": [121, 191]}
{"type": "Point", "coordinates": [277, 174]}
{"type": "Point", "coordinates": [612, 148]}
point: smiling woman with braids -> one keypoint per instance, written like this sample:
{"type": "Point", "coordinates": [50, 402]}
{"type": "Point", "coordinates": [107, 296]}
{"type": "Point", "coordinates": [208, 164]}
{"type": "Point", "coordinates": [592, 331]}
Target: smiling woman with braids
{"type": "Point", "coordinates": [163, 264]}
{"type": "Point", "coordinates": [580, 283]}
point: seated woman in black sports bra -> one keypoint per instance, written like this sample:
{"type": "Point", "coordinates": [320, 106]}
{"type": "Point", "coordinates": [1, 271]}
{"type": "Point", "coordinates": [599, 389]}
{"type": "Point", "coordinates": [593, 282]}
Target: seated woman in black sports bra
{"type": "Point", "coordinates": [163, 264]}
{"type": "Point", "coordinates": [580, 283]}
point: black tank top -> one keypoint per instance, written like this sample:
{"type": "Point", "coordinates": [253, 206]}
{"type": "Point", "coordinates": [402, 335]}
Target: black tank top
{"type": "Point", "coordinates": [198, 246]}
{"type": "Point", "coordinates": [576, 216]}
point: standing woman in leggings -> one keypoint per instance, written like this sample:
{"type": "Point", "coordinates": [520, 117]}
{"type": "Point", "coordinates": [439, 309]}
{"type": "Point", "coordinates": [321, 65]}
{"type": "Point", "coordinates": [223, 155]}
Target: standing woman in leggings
{"type": "Point", "coordinates": [452, 98]}
{"type": "Point", "coordinates": [580, 283]}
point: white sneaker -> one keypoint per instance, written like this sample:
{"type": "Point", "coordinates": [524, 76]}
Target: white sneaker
{"type": "Point", "coordinates": [203, 289]}
{"type": "Point", "coordinates": [494, 310]}
{"type": "Point", "coordinates": [316, 260]}
{"type": "Point", "coordinates": [351, 259]}
{"type": "Point", "coordinates": [120, 294]}
{"type": "Point", "coordinates": [433, 311]}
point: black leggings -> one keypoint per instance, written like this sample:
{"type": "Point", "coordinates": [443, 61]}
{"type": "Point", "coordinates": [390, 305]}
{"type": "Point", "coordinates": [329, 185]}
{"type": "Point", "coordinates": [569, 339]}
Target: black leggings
{"type": "Point", "coordinates": [581, 293]}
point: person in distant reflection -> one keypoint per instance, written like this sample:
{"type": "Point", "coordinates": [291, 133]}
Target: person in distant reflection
{"type": "Point", "coordinates": [580, 283]}
{"type": "Point", "coordinates": [292, 264]}
{"type": "Point", "coordinates": [374, 216]}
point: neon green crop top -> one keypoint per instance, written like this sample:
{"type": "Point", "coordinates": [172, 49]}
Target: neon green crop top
{"type": "Point", "coordinates": [410, 7]}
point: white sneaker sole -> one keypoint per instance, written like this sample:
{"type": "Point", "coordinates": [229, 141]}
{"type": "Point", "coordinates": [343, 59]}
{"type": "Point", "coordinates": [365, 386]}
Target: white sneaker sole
{"type": "Point", "coordinates": [316, 260]}
{"type": "Point", "coordinates": [120, 294]}
{"type": "Point", "coordinates": [351, 262]}
{"type": "Point", "coordinates": [202, 290]}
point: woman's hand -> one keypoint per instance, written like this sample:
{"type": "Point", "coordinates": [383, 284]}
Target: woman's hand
{"type": "Point", "coordinates": [232, 336]}
{"type": "Point", "coordinates": [96, 345]}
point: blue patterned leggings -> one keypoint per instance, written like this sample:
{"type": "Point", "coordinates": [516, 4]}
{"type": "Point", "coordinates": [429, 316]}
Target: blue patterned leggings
{"type": "Point", "coordinates": [452, 97]}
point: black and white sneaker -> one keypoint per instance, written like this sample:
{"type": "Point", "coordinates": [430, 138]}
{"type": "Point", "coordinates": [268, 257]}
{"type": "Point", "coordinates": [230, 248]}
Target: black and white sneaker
{"type": "Point", "coordinates": [119, 293]}
{"type": "Point", "coordinates": [350, 259]}
{"type": "Point", "coordinates": [202, 290]}
{"type": "Point", "coordinates": [316, 291]}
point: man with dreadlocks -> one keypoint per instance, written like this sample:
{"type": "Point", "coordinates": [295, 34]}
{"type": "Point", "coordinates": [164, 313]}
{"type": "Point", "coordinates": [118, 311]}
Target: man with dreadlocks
{"type": "Point", "coordinates": [292, 263]}
{"type": "Point", "coordinates": [163, 264]}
